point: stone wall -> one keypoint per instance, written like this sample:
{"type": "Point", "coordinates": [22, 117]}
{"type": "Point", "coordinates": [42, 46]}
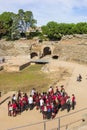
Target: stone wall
{"type": "Point", "coordinates": [15, 68]}
{"type": "Point", "coordinates": [70, 48]}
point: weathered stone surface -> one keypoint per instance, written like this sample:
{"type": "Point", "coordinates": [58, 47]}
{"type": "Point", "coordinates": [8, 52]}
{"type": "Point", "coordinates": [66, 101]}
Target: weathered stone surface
{"type": "Point", "coordinates": [70, 48]}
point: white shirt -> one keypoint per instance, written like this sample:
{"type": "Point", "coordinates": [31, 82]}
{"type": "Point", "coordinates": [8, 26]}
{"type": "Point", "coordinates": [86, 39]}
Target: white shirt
{"type": "Point", "coordinates": [32, 92]}
{"type": "Point", "coordinates": [50, 89]}
{"type": "Point", "coordinates": [14, 98]}
{"type": "Point", "coordinates": [41, 102]}
{"type": "Point", "coordinates": [30, 100]}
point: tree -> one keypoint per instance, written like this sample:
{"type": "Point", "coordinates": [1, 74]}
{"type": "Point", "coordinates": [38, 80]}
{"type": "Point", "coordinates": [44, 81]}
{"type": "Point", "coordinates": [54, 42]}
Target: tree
{"type": "Point", "coordinates": [26, 20]}
{"type": "Point", "coordinates": [16, 25]}
{"type": "Point", "coordinates": [81, 27]}
{"type": "Point", "coordinates": [15, 32]}
{"type": "Point", "coordinates": [2, 30]}
{"type": "Point", "coordinates": [51, 30]}
{"type": "Point", "coordinates": [21, 23]}
{"type": "Point", "coordinates": [30, 21]}
{"type": "Point", "coordinates": [6, 19]}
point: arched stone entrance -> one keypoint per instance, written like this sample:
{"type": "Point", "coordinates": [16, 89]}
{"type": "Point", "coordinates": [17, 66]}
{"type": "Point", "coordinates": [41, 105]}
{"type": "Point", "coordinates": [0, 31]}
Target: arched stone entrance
{"type": "Point", "coordinates": [47, 51]}
{"type": "Point", "coordinates": [33, 55]}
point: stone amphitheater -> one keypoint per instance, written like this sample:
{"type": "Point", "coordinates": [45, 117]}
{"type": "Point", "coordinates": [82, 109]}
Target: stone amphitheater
{"type": "Point", "coordinates": [70, 48]}
{"type": "Point", "coordinates": [71, 52]}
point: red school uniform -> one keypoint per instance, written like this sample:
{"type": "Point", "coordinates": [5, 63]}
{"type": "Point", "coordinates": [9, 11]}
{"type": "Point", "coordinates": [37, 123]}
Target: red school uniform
{"type": "Point", "coordinates": [73, 98]}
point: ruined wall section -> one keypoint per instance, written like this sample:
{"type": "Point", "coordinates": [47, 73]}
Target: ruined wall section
{"type": "Point", "coordinates": [70, 48]}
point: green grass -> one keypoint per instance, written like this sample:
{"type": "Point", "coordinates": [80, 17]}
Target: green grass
{"type": "Point", "coordinates": [25, 80]}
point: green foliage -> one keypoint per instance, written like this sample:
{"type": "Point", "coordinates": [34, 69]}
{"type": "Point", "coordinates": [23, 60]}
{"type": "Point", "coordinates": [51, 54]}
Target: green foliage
{"type": "Point", "coordinates": [54, 31]}
{"type": "Point", "coordinates": [16, 25]}
{"type": "Point", "coordinates": [65, 29]}
{"type": "Point", "coordinates": [42, 37]}
{"type": "Point", "coordinates": [81, 28]}
{"type": "Point", "coordinates": [6, 19]}
{"type": "Point", "coordinates": [51, 30]}
{"type": "Point", "coordinates": [2, 30]}
{"type": "Point", "coordinates": [32, 34]}
{"type": "Point", "coordinates": [28, 17]}
{"type": "Point", "coordinates": [21, 22]}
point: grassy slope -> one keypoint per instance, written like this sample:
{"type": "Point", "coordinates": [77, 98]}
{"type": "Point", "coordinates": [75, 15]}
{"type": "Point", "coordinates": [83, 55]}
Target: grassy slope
{"type": "Point", "coordinates": [24, 80]}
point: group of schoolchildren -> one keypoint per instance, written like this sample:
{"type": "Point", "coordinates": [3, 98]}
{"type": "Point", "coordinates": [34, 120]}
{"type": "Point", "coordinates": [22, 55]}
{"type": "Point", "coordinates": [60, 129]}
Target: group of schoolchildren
{"type": "Point", "coordinates": [49, 103]}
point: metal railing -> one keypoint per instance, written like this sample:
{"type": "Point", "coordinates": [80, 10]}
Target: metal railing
{"type": "Point", "coordinates": [66, 125]}
{"type": "Point", "coordinates": [59, 126]}
{"type": "Point", "coordinates": [4, 99]}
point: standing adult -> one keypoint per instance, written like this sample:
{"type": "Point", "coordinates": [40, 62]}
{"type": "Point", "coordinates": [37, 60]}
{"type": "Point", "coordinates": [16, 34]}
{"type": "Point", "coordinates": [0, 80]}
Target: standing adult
{"type": "Point", "coordinates": [41, 104]}
{"type": "Point", "coordinates": [73, 101]}
{"type": "Point", "coordinates": [68, 104]}
{"type": "Point", "coordinates": [30, 100]}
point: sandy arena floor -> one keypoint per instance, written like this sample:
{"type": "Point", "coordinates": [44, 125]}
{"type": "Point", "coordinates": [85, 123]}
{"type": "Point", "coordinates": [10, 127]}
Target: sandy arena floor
{"type": "Point", "coordinates": [29, 117]}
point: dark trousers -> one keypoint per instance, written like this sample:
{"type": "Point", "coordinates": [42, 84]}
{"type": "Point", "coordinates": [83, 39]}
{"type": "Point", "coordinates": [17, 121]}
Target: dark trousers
{"type": "Point", "coordinates": [68, 107]}
{"type": "Point", "coordinates": [73, 105]}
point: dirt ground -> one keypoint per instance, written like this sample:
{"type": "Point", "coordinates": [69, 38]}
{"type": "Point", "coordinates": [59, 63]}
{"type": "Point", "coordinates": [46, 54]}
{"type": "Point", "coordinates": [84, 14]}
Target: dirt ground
{"type": "Point", "coordinates": [71, 86]}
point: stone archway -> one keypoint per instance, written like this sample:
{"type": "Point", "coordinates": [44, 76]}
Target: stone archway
{"type": "Point", "coordinates": [47, 51]}
{"type": "Point", "coordinates": [33, 55]}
